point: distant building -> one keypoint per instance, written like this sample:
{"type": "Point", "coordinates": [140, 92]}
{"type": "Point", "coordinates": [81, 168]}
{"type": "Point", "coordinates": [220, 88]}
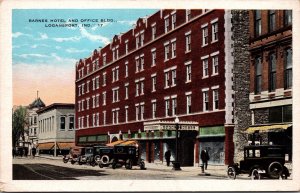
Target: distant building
{"type": "Point", "coordinates": [271, 77]}
{"type": "Point", "coordinates": [56, 129]}
{"type": "Point", "coordinates": [172, 63]}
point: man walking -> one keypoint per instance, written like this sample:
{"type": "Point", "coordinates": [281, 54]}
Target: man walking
{"type": "Point", "coordinates": [204, 157]}
{"type": "Point", "coordinates": [168, 157]}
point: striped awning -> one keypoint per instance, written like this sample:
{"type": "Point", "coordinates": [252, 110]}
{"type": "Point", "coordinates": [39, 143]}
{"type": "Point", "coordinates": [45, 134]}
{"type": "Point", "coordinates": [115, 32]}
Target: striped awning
{"type": "Point", "coordinates": [65, 145]}
{"type": "Point", "coordinates": [124, 143]}
{"type": "Point", "coordinates": [45, 146]}
{"type": "Point", "coordinates": [268, 128]}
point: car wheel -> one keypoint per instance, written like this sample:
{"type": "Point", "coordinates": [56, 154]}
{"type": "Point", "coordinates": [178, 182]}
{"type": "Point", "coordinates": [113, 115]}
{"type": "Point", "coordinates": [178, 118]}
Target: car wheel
{"type": "Point", "coordinates": [285, 173]}
{"type": "Point", "coordinates": [128, 164]}
{"type": "Point", "coordinates": [275, 170]}
{"type": "Point", "coordinates": [104, 159]}
{"type": "Point", "coordinates": [231, 173]}
{"type": "Point", "coordinates": [72, 162]}
{"type": "Point", "coordinates": [255, 175]}
{"type": "Point", "coordinates": [65, 160]}
{"type": "Point", "coordinates": [142, 165]}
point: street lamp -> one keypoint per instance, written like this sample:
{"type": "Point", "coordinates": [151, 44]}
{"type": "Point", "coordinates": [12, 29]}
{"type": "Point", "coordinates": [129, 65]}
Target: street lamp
{"type": "Point", "coordinates": [176, 163]}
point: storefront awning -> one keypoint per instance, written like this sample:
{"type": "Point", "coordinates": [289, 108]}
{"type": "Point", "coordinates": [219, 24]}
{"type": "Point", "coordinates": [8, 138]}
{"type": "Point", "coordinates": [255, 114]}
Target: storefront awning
{"type": "Point", "coordinates": [268, 128]}
{"type": "Point", "coordinates": [124, 143]}
{"type": "Point", "coordinates": [114, 143]}
{"type": "Point", "coordinates": [65, 145]}
{"type": "Point", "coordinates": [45, 146]}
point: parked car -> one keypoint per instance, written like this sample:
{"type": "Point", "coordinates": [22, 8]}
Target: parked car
{"type": "Point", "coordinates": [73, 155]}
{"type": "Point", "coordinates": [261, 161]}
{"type": "Point", "coordinates": [103, 155]}
{"type": "Point", "coordinates": [87, 156]}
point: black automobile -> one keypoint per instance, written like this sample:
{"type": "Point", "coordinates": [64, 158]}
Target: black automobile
{"type": "Point", "coordinates": [262, 161]}
{"type": "Point", "coordinates": [87, 156]}
{"type": "Point", "coordinates": [103, 155]}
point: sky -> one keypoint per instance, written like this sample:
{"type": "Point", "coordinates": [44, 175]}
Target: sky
{"type": "Point", "coordinates": [44, 54]}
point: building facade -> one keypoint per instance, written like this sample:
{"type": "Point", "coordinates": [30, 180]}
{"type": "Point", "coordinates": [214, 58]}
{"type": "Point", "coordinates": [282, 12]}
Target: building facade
{"type": "Point", "coordinates": [271, 77]}
{"type": "Point", "coordinates": [174, 63]}
{"type": "Point", "coordinates": [56, 129]}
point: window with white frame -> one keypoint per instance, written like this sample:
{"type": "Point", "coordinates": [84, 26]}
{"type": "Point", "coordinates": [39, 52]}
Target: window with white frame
{"type": "Point", "coordinates": [137, 64]}
{"type": "Point", "coordinates": [142, 87]}
{"type": "Point", "coordinates": [97, 120]}
{"type": "Point", "coordinates": [173, 48]}
{"type": "Point", "coordinates": [137, 41]}
{"type": "Point", "coordinates": [94, 101]}
{"type": "Point", "coordinates": [167, 25]}
{"type": "Point", "coordinates": [97, 100]}
{"type": "Point", "coordinates": [94, 83]}
{"type": "Point", "coordinates": [104, 117]}
{"type": "Point", "coordinates": [174, 105]}
{"type": "Point", "coordinates": [137, 89]}
{"type": "Point", "coordinates": [173, 20]}
{"type": "Point", "coordinates": [97, 82]}
{"type": "Point", "coordinates": [104, 79]}
{"type": "Point", "coordinates": [62, 123]}
{"type": "Point", "coordinates": [153, 77]}
{"type": "Point", "coordinates": [205, 100]}
{"type": "Point", "coordinates": [216, 99]}
{"type": "Point", "coordinates": [188, 103]}
{"type": "Point", "coordinates": [153, 51]}
{"type": "Point", "coordinates": [79, 90]}
{"type": "Point", "coordinates": [188, 42]}
{"type": "Point", "coordinates": [153, 31]}
{"type": "Point", "coordinates": [137, 112]}
{"type": "Point", "coordinates": [205, 67]}
{"type": "Point", "coordinates": [113, 74]}
{"type": "Point", "coordinates": [114, 54]}
{"type": "Point", "coordinates": [87, 121]}
{"type": "Point", "coordinates": [104, 59]}
{"type": "Point", "coordinates": [97, 63]}
{"type": "Point", "coordinates": [142, 38]}
{"type": "Point", "coordinates": [126, 46]}
{"type": "Point", "coordinates": [113, 116]}
{"type": "Point", "coordinates": [188, 15]}
{"type": "Point", "coordinates": [167, 79]}
{"type": "Point", "coordinates": [167, 107]}
{"type": "Point", "coordinates": [94, 66]}
{"type": "Point", "coordinates": [215, 63]}
{"type": "Point", "coordinates": [82, 104]}
{"type": "Point", "coordinates": [88, 86]}
{"type": "Point", "coordinates": [82, 89]}
{"type": "Point", "coordinates": [115, 94]}
{"type": "Point", "coordinates": [126, 90]}
{"type": "Point", "coordinates": [204, 36]}
{"type": "Point", "coordinates": [79, 106]}
{"type": "Point", "coordinates": [79, 122]}
{"type": "Point", "coordinates": [126, 69]}
{"type": "Point", "coordinates": [173, 72]}
{"type": "Point", "coordinates": [142, 62]}
{"type": "Point", "coordinates": [88, 68]}
{"type": "Point", "coordinates": [104, 98]}
{"type": "Point", "coordinates": [167, 51]}
{"type": "Point", "coordinates": [117, 115]}
{"type": "Point", "coordinates": [188, 66]}
{"type": "Point", "coordinates": [88, 103]}
{"type": "Point", "coordinates": [142, 107]}
{"type": "Point", "coordinates": [214, 31]}
{"type": "Point", "coordinates": [94, 120]}
{"type": "Point", "coordinates": [126, 114]}
{"type": "Point", "coordinates": [153, 109]}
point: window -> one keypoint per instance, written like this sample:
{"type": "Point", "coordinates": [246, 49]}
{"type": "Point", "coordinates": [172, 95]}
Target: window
{"type": "Point", "coordinates": [287, 17]}
{"type": "Point", "coordinates": [104, 59]}
{"type": "Point", "coordinates": [104, 98]}
{"type": "Point", "coordinates": [174, 106]}
{"type": "Point", "coordinates": [205, 68]}
{"type": "Point", "coordinates": [104, 79]}
{"type": "Point", "coordinates": [204, 36]}
{"type": "Point", "coordinates": [153, 31]}
{"type": "Point", "coordinates": [87, 86]}
{"type": "Point", "coordinates": [115, 94]}
{"type": "Point", "coordinates": [272, 20]}
{"type": "Point", "coordinates": [272, 71]}
{"type": "Point", "coordinates": [173, 77]}
{"type": "Point", "coordinates": [137, 87]}
{"type": "Point", "coordinates": [280, 114]}
{"type": "Point", "coordinates": [94, 66]}
{"type": "Point", "coordinates": [88, 69]}
{"type": "Point", "coordinates": [258, 76]}
{"type": "Point", "coordinates": [82, 104]}
{"type": "Point", "coordinates": [215, 62]}
{"type": "Point", "coordinates": [142, 87]}
{"type": "Point", "coordinates": [87, 103]}
{"type": "Point", "coordinates": [94, 83]}
{"type": "Point", "coordinates": [82, 88]}
{"type": "Point", "coordinates": [288, 69]}
{"type": "Point", "coordinates": [188, 42]}
{"type": "Point", "coordinates": [153, 109]}
{"type": "Point", "coordinates": [71, 122]}
{"type": "Point", "coordinates": [188, 15]}
{"type": "Point", "coordinates": [104, 117]}
{"type": "Point", "coordinates": [113, 116]}
{"type": "Point", "coordinates": [142, 62]}
{"type": "Point", "coordinates": [173, 21]}
{"type": "Point", "coordinates": [94, 101]}
{"type": "Point", "coordinates": [167, 107]}
{"type": "Point", "coordinates": [142, 38]}
{"type": "Point", "coordinates": [79, 126]}
{"type": "Point", "coordinates": [257, 24]}
{"type": "Point", "coordinates": [126, 114]}
{"type": "Point", "coordinates": [79, 106]}
{"type": "Point", "coordinates": [167, 51]}
{"type": "Point", "coordinates": [97, 82]}
{"type": "Point", "coordinates": [153, 58]}
{"type": "Point", "coordinates": [215, 32]}
{"type": "Point", "coordinates": [153, 83]}
{"type": "Point", "coordinates": [115, 74]}
{"type": "Point", "coordinates": [126, 90]}
{"type": "Point", "coordinates": [87, 121]}
{"type": "Point", "coordinates": [79, 90]}
{"type": "Point", "coordinates": [126, 69]}
{"type": "Point", "coordinates": [137, 41]}
{"type": "Point", "coordinates": [166, 79]}
{"type": "Point", "coordinates": [173, 47]}
{"type": "Point", "coordinates": [126, 47]}
{"type": "Point", "coordinates": [137, 112]}
{"type": "Point", "coordinates": [167, 24]}
{"type": "Point", "coordinates": [188, 71]}
{"type": "Point", "coordinates": [142, 106]}
{"type": "Point", "coordinates": [137, 64]}
{"type": "Point", "coordinates": [188, 103]}
{"type": "Point", "coordinates": [62, 123]}
{"type": "Point", "coordinates": [216, 99]}
{"type": "Point", "coordinates": [205, 101]}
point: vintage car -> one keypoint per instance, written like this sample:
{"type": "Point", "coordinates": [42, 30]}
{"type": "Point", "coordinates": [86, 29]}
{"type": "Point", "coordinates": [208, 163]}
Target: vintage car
{"type": "Point", "coordinates": [103, 155]}
{"type": "Point", "coordinates": [262, 161]}
{"type": "Point", "coordinates": [121, 153]}
{"type": "Point", "coordinates": [87, 156]}
{"type": "Point", "coordinates": [73, 155]}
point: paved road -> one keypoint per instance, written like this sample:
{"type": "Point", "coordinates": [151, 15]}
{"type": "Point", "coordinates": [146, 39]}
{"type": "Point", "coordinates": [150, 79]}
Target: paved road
{"type": "Point", "coordinates": [46, 169]}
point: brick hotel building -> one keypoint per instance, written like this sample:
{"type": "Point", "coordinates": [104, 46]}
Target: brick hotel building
{"type": "Point", "coordinates": [172, 63]}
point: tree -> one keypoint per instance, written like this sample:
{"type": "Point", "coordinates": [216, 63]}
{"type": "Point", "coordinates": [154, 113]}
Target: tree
{"type": "Point", "coordinates": [19, 124]}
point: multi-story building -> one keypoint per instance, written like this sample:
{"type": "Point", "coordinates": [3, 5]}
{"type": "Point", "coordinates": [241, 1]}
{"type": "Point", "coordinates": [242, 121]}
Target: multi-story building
{"type": "Point", "coordinates": [174, 63]}
{"type": "Point", "coordinates": [271, 70]}
{"type": "Point", "coordinates": [56, 131]}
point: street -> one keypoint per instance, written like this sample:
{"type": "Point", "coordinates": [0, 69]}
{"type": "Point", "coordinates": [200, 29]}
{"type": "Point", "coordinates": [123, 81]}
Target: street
{"type": "Point", "coordinates": [54, 169]}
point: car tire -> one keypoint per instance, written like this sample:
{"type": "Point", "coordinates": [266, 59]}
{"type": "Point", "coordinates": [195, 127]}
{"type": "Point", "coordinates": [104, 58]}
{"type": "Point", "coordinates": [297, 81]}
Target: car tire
{"type": "Point", "coordinates": [65, 160]}
{"type": "Point", "coordinates": [285, 173]}
{"type": "Point", "coordinates": [275, 170]}
{"type": "Point", "coordinates": [104, 159]}
{"type": "Point", "coordinates": [255, 175]}
{"type": "Point", "coordinates": [73, 162]}
{"type": "Point", "coordinates": [231, 172]}
{"type": "Point", "coordinates": [142, 165]}
{"type": "Point", "coordinates": [128, 164]}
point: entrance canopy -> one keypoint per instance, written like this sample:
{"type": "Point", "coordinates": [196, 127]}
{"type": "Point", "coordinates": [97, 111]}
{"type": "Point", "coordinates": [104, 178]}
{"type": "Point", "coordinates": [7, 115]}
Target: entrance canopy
{"type": "Point", "coordinates": [268, 128]}
{"type": "Point", "coordinates": [45, 146]}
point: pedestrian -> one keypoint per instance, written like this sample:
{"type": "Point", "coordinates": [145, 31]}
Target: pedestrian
{"type": "Point", "coordinates": [14, 152]}
{"type": "Point", "coordinates": [33, 151]}
{"type": "Point", "coordinates": [168, 157]}
{"type": "Point", "coordinates": [204, 157]}
{"type": "Point", "coordinates": [26, 152]}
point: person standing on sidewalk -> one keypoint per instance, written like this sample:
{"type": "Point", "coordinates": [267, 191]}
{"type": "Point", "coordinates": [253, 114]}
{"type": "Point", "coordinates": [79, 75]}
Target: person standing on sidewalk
{"type": "Point", "coordinates": [204, 157]}
{"type": "Point", "coordinates": [168, 157]}
{"type": "Point", "coordinates": [33, 151]}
